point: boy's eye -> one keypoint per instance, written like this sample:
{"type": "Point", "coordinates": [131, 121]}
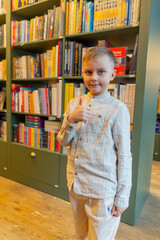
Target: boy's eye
{"type": "Point", "coordinates": [100, 71]}
{"type": "Point", "coordinates": [88, 72]}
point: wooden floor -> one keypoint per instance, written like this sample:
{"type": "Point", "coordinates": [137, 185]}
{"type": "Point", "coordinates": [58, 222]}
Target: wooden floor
{"type": "Point", "coordinates": [27, 214]}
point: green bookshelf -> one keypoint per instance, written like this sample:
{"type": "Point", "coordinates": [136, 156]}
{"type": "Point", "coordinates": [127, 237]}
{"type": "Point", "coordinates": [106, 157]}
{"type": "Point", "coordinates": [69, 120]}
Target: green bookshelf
{"type": "Point", "coordinates": [45, 170]}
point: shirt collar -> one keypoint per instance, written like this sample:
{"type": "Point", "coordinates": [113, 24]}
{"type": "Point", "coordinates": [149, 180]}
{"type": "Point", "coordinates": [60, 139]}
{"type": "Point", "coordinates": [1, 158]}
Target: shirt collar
{"type": "Point", "coordinates": [101, 96]}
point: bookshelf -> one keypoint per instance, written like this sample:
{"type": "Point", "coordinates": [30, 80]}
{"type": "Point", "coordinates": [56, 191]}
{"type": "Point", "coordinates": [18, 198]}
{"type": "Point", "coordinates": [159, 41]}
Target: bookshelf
{"type": "Point", "coordinates": [46, 170]}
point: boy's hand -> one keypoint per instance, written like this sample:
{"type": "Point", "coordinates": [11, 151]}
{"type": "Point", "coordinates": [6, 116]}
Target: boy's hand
{"type": "Point", "coordinates": [117, 211]}
{"type": "Point", "coordinates": [80, 114]}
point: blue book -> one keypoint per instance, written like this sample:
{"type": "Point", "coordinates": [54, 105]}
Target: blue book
{"type": "Point", "coordinates": [126, 12]}
{"type": "Point", "coordinates": [90, 16]}
{"type": "Point", "coordinates": [28, 31]}
{"type": "Point", "coordinates": [35, 137]}
{"type": "Point", "coordinates": [129, 12]}
{"type": "Point", "coordinates": [71, 59]}
{"type": "Point", "coordinates": [83, 17]}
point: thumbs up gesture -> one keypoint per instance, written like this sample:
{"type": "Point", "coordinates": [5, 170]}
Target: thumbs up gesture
{"type": "Point", "coordinates": [81, 113]}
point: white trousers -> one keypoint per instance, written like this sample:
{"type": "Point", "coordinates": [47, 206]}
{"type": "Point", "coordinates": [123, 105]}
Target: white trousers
{"type": "Point", "coordinates": [92, 217]}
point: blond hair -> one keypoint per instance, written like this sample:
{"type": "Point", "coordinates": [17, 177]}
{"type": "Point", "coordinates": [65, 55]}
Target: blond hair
{"type": "Point", "coordinates": [99, 51]}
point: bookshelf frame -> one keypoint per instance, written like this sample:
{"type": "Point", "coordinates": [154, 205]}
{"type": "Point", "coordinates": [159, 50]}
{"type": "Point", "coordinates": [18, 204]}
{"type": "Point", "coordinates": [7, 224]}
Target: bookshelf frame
{"type": "Point", "coordinates": [147, 81]}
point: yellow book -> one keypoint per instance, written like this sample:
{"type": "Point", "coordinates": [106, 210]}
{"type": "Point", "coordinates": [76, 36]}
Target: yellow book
{"type": "Point", "coordinates": [16, 4]}
{"type": "Point", "coordinates": [66, 96]}
{"type": "Point", "coordinates": [4, 69]}
{"type": "Point", "coordinates": [51, 147]}
{"type": "Point", "coordinates": [45, 65]}
{"type": "Point", "coordinates": [123, 12]}
{"type": "Point", "coordinates": [67, 18]}
{"type": "Point", "coordinates": [74, 17]}
{"type": "Point", "coordinates": [53, 60]}
{"type": "Point", "coordinates": [31, 29]}
{"type": "Point", "coordinates": [32, 137]}
{"type": "Point", "coordinates": [71, 89]}
{"type": "Point", "coordinates": [80, 16]}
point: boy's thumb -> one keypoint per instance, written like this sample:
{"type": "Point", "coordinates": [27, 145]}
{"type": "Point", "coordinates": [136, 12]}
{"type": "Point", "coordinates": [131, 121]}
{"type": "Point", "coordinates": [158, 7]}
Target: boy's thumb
{"type": "Point", "coordinates": [81, 101]}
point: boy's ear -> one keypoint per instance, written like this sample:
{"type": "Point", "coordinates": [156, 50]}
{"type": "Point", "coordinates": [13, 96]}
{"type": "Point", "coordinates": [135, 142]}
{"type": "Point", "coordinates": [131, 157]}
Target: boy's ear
{"type": "Point", "coordinates": [113, 75]}
{"type": "Point", "coordinates": [82, 72]}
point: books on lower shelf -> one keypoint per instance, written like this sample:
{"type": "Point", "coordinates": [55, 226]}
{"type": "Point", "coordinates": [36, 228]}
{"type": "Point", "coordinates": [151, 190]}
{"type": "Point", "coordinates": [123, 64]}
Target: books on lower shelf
{"type": "Point", "coordinates": [3, 69]}
{"type": "Point", "coordinates": [2, 98]}
{"type": "Point", "coordinates": [42, 136]}
{"type": "Point", "coordinates": [3, 35]}
{"type": "Point", "coordinates": [47, 64]}
{"type": "Point", "coordinates": [41, 100]}
{"type": "Point", "coordinates": [125, 93]}
{"type": "Point", "coordinates": [3, 126]}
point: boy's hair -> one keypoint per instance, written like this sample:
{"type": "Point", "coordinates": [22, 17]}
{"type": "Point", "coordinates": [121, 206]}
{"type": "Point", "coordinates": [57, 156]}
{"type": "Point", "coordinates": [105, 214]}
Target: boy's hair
{"type": "Point", "coordinates": [98, 51]}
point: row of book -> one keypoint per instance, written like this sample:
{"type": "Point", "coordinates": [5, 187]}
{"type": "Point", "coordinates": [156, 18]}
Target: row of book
{"type": "Point", "coordinates": [3, 126]}
{"type": "Point", "coordinates": [2, 7]}
{"type": "Point", "coordinates": [84, 16]}
{"type": "Point", "coordinates": [37, 132]}
{"type": "Point", "coordinates": [79, 16]}
{"type": "Point", "coordinates": [73, 90]}
{"type": "Point", "coordinates": [21, 3]}
{"type": "Point", "coordinates": [3, 69]}
{"type": "Point", "coordinates": [3, 35]}
{"type": "Point", "coordinates": [41, 100]}
{"type": "Point", "coordinates": [47, 64]}
{"type": "Point", "coordinates": [125, 93]}
{"type": "Point", "coordinates": [46, 26]}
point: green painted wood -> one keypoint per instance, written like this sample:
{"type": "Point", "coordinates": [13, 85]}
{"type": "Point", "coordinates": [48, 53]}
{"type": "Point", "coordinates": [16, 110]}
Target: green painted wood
{"type": "Point", "coordinates": [3, 155]}
{"type": "Point", "coordinates": [63, 166]}
{"type": "Point", "coordinates": [2, 19]}
{"type": "Point", "coordinates": [44, 166]}
{"type": "Point", "coordinates": [156, 152]}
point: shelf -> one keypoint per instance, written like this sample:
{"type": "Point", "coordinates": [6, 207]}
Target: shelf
{"type": "Point", "coordinates": [116, 77]}
{"type": "Point", "coordinates": [119, 36]}
{"type": "Point", "coordinates": [35, 114]}
{"type": "Point", "coordinates": [2, 81]}
{"type": "Point", "coordinates": [41, 149]}
{"type": "Point", "coordinates": [2, 19]}
{"type": "Point", "coordinates": [38, 46]}
{"type": "Point", "coordinates": [37, 79]}
{"type": "Point", "coordinates": [35, 9]}
{"type": "Point", "coordinates": [3, 110]}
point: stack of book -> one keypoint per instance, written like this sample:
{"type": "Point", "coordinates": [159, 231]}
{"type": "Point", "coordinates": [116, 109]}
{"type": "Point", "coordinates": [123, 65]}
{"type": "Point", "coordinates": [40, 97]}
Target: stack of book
{"type": "Point", "coordinates": [3, 35]}
{"type": "Point", "coordinates": [125, 93]}
{"type": "Point", "coordinates": [3, 126]}
{"type": "Point", "coordinates": [21, 3]}
{"type": "Point", "coordinates": [79, 16]}
{"type": "Point", "coordinates": [46, 26]}
{"type": "Point", "coordinates": [41, 100]}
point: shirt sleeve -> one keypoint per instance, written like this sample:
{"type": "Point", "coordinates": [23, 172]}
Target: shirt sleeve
{"type": "Point", "coordinates": [68, 130]}
{"type": "Point", "coordinates": [121, 135]}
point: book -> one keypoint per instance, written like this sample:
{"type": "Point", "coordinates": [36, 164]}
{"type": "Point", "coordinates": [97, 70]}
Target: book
{"type": "Point", "coordinates": [132, 69]}
{"type": "Point", "coordinates": [120, 54]}
{"type": "Point", "coordinates": [2, 99]}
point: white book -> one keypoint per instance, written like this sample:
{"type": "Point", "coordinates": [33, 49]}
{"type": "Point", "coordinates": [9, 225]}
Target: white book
{"type": "Point", "coordinates": [59, 98]}
{"type": "Point", "coordinates": [54, 100]}
{"type": "Point", "coordinates": [56, 62]}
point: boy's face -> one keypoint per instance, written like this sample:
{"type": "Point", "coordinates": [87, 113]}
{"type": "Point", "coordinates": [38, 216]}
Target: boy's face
{"type": "Point", "coordinates": [97, 74]}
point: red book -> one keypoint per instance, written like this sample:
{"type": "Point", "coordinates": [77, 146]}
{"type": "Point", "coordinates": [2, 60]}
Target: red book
{"type": "Point", "coordinates": [29, 136]}
{"type": "Point", "coordinates": [120, 54]}
{"type": "Point", "coordinates": [19, 132]}
{"type": "Point", "coordinates": [47, 100]}
{"type": "Point", "coordinates": [58, 146]}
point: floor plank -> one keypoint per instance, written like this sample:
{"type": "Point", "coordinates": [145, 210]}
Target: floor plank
{"type": "Point", "coordinates": [28, 214]}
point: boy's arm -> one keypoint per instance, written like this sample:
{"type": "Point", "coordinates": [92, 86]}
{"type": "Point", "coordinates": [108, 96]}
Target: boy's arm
{"type": "Point", "coordinates": [121, 135]}
{"type": "Point", "coordinates": [73, 115]}
{"type": "Point", "coordinates": [67, 131]}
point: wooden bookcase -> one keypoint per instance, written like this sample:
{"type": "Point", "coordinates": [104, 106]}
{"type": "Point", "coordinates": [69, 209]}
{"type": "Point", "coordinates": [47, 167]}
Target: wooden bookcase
{"type": "Point", "coordinates": [47, 171]}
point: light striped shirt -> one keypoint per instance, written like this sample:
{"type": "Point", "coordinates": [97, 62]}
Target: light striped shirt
{"type": "Point", "coordinates": [99, 157]}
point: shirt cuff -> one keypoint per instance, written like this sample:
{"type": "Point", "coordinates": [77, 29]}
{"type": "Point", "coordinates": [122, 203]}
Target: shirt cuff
{"type": "Point", "coordinates": [122, 202]}
{"type": "Point", "coordinates": [69, 126]}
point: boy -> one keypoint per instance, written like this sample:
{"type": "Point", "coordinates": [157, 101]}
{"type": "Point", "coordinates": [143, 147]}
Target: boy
{"type": "Point", "coordinates": [96, 128]}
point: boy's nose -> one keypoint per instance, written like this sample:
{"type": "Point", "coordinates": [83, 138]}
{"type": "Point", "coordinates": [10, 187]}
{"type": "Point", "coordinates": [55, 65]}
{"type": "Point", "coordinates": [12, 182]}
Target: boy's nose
{"type": "Point", "coordinates": [94, 77]}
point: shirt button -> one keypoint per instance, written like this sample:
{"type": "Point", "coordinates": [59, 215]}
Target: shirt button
{"type": "Point", "coordinates": [76, 156]}
{"type": "Point", "coordinates": [99, 116]}
{"type": "Point", "coordinates": [80, 139]}
{"type": "Point", "coordinates": [76, 173]}
{"type": "Point", "coordinates": [89, 105]}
